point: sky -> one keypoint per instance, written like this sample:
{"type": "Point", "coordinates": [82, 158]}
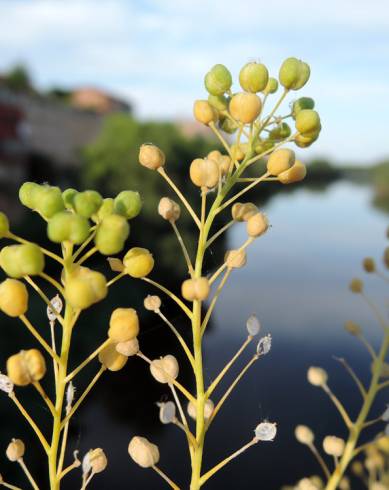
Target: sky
{"type": "Point", "coordinates": [156, 53]}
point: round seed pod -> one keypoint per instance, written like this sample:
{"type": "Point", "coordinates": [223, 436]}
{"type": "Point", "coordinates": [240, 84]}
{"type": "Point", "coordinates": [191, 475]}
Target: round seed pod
{"type": "Point", "coordinates": [138, 262]}
{"type": "Point", "coordinates": [22, 260]}
{"type": "Point", "coordinates": [112, 359]}
{"type": "Point", "coordinates": [143, 452]}
{"type": "Point", "coordinates": [218, 102]}
{"type": "Point", "coordinates": [228, 125]}
{"type": "Point", "coordinates": [266, 431]}
{"type": "Point", "coordinates": [85, 287]}
{"type": "Point", "coordinates": [106, 209]}
{"type": "Point", "coordinates": [128, 204]}
{"type": "Point", "coordinates": [165, 369]}
{"type": "Point", "coordinates": [224, 164]}
{"type": "Point", "coordinates": [218, 80]}
{"type": "Point", "coordinates": [308, 122]}
{"type": "Point", "coordinates": [152, 303]}
{"type": "Point", "coordinates": [280, 132]}
{"type": "Point", "coordinates": [208, 409]}
{"type": "Point", "coordinates": [112, 234]}
{"type": "Point", "coordinates": [29, 193]}
{"type": "Point", "coordinates": [356, 286]}
{"type": "Point", "coordinates": [296, 173]}
{"type": "Point", "coordinates": [204, 112]}
{"type": "Point", "coordinates": [303, 141]}
{"type": "Point", "coordinates": [235, 259]}
{"type": "Point", "coordinates": [304, 74]}
{"type": "Point", "coordinates": [169, 209]}
{"type": "Point", "coordinates": [352, 328]}
{"type": "Point", "coordinates": [280, 160]}
{"type": "Point", "coordinates": [304, 435]}
{"type": "Point", "coordinates": [301, 104]}
{"type": "Point", "coordinates": [152, 157]}
{"type": "Point", "coordinates": [204, 173]}
{"type": "Point", "coordinates": [245, 107]}
{"type": "Point", "coordinates": [334, 446]}
{"type": "Point", "coordinates": [369, 265]}
{"type": "Point", "coordinates": [4, 225]}
{"type": "Point", "coordinates": [123, 325]}
{"type": "Point", "coordinates": [195, 289]}
{"type": "Point", "coordinates": [294, 74]}
{"type": "Point", "coordinates": [317, 376]}
{"type": "Point", "coordinates": [49, 201]}
{"type": "Point", "coordinates": [257, 225]}
{"type": "Point", "coordinates": [129, 348]}
{"type": "Point", "coordinates": [253, 77]}
{"type": "Point", "coordinates": [67, 226]}
{"type": "Point", "coordinates": [95, 460]}
{"type": "Point", "coordinates": [243, 211]}
{"type": "Point", "coordinates": [271, 86]}
{"type": "Point", "coordinates": [68, 196]}
{"type": "Point", "coordinates": [26, 367]}
{"type": "Point", "coordinates": [15, 450]}
{"type": "Point", "coordinates": [13, 297]}
{"type": "Point", "coordinates": [87, 203]}
{"type": "Point", "coordinates": [214, 155]}
{"type": "Point", "coordinates": [238, 152]}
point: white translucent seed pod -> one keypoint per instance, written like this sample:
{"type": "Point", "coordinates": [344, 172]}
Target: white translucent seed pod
{"type": "Point", "coordinates": [15, 450]}
{"type": "Point", "coordinates": [57, 304]}
{"type": "Point", "coordinates": [317, 376]}
{"type": "Point", "coordinates": [129, 348]}
{"type": "Point", "coordinates": [167, 412]}
{"type": "Point", "coordinates": [253, 326]}
{"type": "Point", "coordinates": [385, 415]}
{"type": "Point", "coordinates": [6, 384]}
{"type": "Point", "coordinates": [333, 446]}
{"type": "Point", "coordinates": [143, 452]}
{"type": "Point", "coordinates": [264, 345]}
{"type": "Point", "coordinates": [266, 431]}
{"type": "Point", "coordinates": [152, 303]}
{"type": "Point", "coordinates": [70, 393]}
{"type": "Point", "coordinates": [165, 369]}
{"type": "Point", "coordinates": [304, 435]}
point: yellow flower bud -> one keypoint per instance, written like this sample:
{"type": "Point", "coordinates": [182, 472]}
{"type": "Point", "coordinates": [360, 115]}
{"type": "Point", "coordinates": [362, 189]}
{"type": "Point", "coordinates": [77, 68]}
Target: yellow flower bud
{"type": "Point", "coordinates": [235, 259]}
{"type": "Point", "coordinates": [208, 409]}
{"type": "Point", "coordinates": [13, 297]}
{"type": "Point", "coordinates": [243, 211]}
{"type": "Point", "coordinates": [334, 446]}
{"type": "Point", "coordinates": [304, 435]}
{"type": "Point", "coordinates": [112, 359]}
{"type": "Point", "coordinates": [257, 225]}
{"type": "Point", "coordinates": [317, 376]}
{"type": "Point", "coordinates": [280, 161]}
{"type": "Point", "coordinates": [138, 262]}
{"type": "Point", "coordinates": [143, 452]}
{"type": "Point", "coordinates": [95, 460]}
{"type": "Point", "coordinates": [204, 173]}
{"type": "Point", "coordinates": [152, 303]}
{"type": "Point", "coordinates": [164, 370]}
{"type": "Point", "coordinates": [296, 173]}
{"type": "Point", "coordinates": [15, 450]}
{"type": "Point", "coordinates": [356, 286]}
{"type": "Point", "coordinates": [369, 264]}
{"type": "Point", "coordinates": [169, 209]}
{"type": "Point", "coordinates": [195, 289]}
{"type": "Point", "coordinates": [26, 367]}
{"type": "Point", "coordinates": [245, 107]}
{"type": "Point", "coordinates": [204, 112]}
{"type": "Point", "coordinates": [85, 287]}
{"type": "Point", "coordinates": [128, 348]}
{"type": "Point", "coordinates": [123, 325]}
{"type": "Point", "coordinates": [151, 156]}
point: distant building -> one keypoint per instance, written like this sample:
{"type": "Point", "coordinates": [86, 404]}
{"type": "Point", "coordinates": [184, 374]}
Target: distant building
{"type": "Point", "coordinates": [96, 100]}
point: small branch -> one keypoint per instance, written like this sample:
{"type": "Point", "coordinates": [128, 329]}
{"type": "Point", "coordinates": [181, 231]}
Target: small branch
{"type": "Point", "coordinates": [219, 232]}
{"type": "Point", "coordinates": [39, 338]}
{"type": "Point", "coordinates": [352, 373]}
{"type": "Point", "coordinates": [339, 406]}
{"type": "Point", "coordinates": [53, 282]}
{"type": "Point", "coordinates": [365, 446]}
{"type": "Point", "coordinates": [170, 294]}
{"type": "Point", "coordinates": [82, 247]}
{"type": "Point", "coordinates": [221, 139]}
{"type": "Point", "coordinates": [183, 248]}
{"type": "Point", "coordinates": [76, 464]}
{"type": "Point", "coordinates": [86, 256]}
{"type": "Point", "coordinates": [45, 398]}
{"type": "Point", "coordinates": [90, 358]}
{"type": "Point", "coordinates": [190, 437]}
{"type": "Point", "coordinates": [8, 485]}
{"type": "Point", "coordinates": [165, 477]}
{"type": "Point", "coordinates": [375, 311]}
{"type": "Point", "coordinates": [368, 346]}
{"type": "Point", "coordinates": [28, 474]}
{"type": "Point", "coordinates": [369, 423]}
{"type": "Point", "coordinates": [214, 300]}
{"type": "Point", "coordinates": [179, 337]}
{"type": "Point", "coordinates": [116, 278]}
{"type": "Point", "coordinates": [320, 460]}
{"type": "Point", "coordinates": [53, 346]}
{"type": "Point", "coordinates": [383, 385]}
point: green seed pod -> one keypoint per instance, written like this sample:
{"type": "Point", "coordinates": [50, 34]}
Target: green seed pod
{"type": "Point", "coordinates": [28, 194]}
{"type": "Point", "coordinates": [263, 146]}
{"type": "Point", "coordinates": [294, 73]}
{"type": "Point", "coordinates": [68, 196]}
{"type": "Point", "coordinates": [280, 160]}
{"type": "Point", "coordinates": [218, 80]}
{"type": "Point", "coordinates": [85, 287]}
{"type": "Point", "coordinates": [303, 141]}
{"type": "Point", "coordinates": [138, 262]}
{"type": "Point", "coordinates": [49, 201]}
{"type": "Point", "coordinates": [22, 260]}
{"type": "Point", "coordinates": [304, 74]}
{"type": "Point", "coordinates": [218, 102]}
{"type": "Point", "coordinates": [227, 125]}
{"type": "Point", "coordinates": [308, 122]}
{"type": "Point", "coordinates": [66, 226]}
{"type": "Point", "coordinates": [280, 132]}
{"type": "Point", "coordinates": [111, 234]}
{"type": "Point", "coordinates": [271, 86]}
{"type": "Point", "coordinates": [301, 104]}
{"type": "Point", "coordinates": [4, 225]}
{"type": "Point", "coordinates": [13, 297]}
{"type": "Point", "coordinates": [107, 208]}
{"type": "Point", "coordinates": [87, 203]}
{"type": "Point", "coordinates": [128, 204]}
{"type": "Point", "coordinates": [204, 112]}
{"type": "Point", "coordinates": [253, 77]}
{"type": "Point", "coordinates": [245, 107]}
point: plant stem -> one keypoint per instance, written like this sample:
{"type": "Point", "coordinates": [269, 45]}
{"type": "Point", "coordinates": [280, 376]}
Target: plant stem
{"type": "Point", "coordinates": [28, 474]}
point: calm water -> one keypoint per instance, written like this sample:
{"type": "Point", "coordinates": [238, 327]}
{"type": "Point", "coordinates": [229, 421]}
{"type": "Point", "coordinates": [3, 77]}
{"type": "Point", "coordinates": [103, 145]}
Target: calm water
{"type": "Point", "coordinates": [296, 282]}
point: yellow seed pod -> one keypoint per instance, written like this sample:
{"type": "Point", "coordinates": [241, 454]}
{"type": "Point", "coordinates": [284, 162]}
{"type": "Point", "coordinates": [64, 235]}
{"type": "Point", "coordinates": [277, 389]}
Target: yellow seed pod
{"type": "Point", "coordinates": [383, 444]}
{"type": "Point", "coordinates": [257, 225]}
{"type": "Point", "coordinates": [296, 173]}
{"type": "Point", "coordinates": [214, 155]}
{"type": "Point", "coordinates": [164, 370]}
{"type": "Point", "coordinates": [15, 450]}
{"type": "Point", "coordinates": [317, 376]}
{"type": "Point", "coordinates": [204, 112]}
{"type": "Point", "coordinates": [13, 297]}
{"type": "Point", "coordinates": [169, 209]}
{"type": "Point", "coordinates": [152, 303]}
{"type": "Point", "coordinates": [369, 264]}
{"type": "Point", "coordinates": [356, 286]}
{"type": "Point", "coordinates": [304, 435]}
{"type": "Point", "coordinates": [280, 161]}
{"type": "Point", "coordinates": [204, 173]}
{"type": "Point", "coordinates": [143, 452]}
{"type": "Point", "coordinates": [352, 328]}
{"type": "Point", "coordinates": [195, 289]}
{"type": "Point", "coordinates": [123, 325]}
{"type": "Point", "coordinates": [334, 446]}
{"type": "Point", "coordinates": [138, 262]}
{"type": "Point", "coordinates": [224, 164]}
{"type": "Point", "coordinates": [26, 367]}
{"type": "Point", "coordinates": [85, 287]}
{"type": "Point", "coordinates": [208, 409]}
{"type": "Point", "coordinates": [151, 156]}
{"type": "Point", "coordinates": [243, 211]}
{"type": "Point", "coordinates": [129, 348]}
{"type": "Point", "coordinates": [238, 152]}
{"type": "Point", "coordinates": [245, 107]}
{"type": "Point", "coordinates": [96, 460]}
{"type": "Point", "coordinates": [303, 140]}
{"type": "Point", "coordinates": [235, 259]}
{"type": "Point", "coordinates": [112, 359]}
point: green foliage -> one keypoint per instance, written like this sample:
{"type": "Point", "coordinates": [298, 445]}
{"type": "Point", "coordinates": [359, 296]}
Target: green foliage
{"type": "Point", "coordinates": [18, 79]}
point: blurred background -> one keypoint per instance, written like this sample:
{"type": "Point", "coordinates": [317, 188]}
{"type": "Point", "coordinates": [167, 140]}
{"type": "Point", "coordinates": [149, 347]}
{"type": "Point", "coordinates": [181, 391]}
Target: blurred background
{"type": "Point", "coordinates": [82, 85]}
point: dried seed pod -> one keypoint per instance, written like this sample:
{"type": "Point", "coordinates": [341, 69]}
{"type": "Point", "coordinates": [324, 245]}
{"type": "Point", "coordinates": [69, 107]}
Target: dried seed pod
{"type": "Point", "coordinates": [218, 80]}
{"type": "Point", "coordinates": [143, 452]}
{"type": "Point", "coordinates": [195, 289]}
{"type": "Point", "coordinates": [317, 376]}
{"type": "Point", "coordinates": [151, 156]}
{"type": "Point", "coordinates": [266, 431]}
{"type": "Point", "coordinates": [123, 325]}
{"type": "Point", "coordinates": [167, 412]}
{"type": "Point", "coordinates": [4, 225]}
{"type": "Point", "coordinates": [245, 107]}
{"type": "Point", "coordinates": [253, 326]}
{"type": "Point", "coordinates": [253, 77]}
{"type": "Point", "coordinates": [369, 264]}
{"type": "Point", "coordinates": [280, 160]}
{"type": "Point", "coordinates": [257, 225]}
{"type": "Point", "coordinates": [297, 172]}
{"type": "Point", "coordinates": [169, 209]}
{"type": "Point", "coordinates": [26, 367]}
{"type": "Point", "coordinates": [128, 348]}
{"type": "Point", "coordinates": [152, 303]}
{"type": "Point", "coordinates": [22, 260]}
{"type": "Point", "coordinates": [112, 359]}
{"type": "Point", "coordinates": [334, 446]}
{"type": "Point", "coordinates": [165, 369]}
{"type": "Point", "coordinates": [243, 211]}
{"type": "Point", "coordinates": [95, 460]}
{"type": "Point", "coordinates": [264, 345]}
{"type": "Point", "coordinates": [57, 305]}
{"type": "Point", "coordinates": [204, 112]}
{"type": "Point", "coordinates": [352, 328]}
{"type": "Point", "coordinates": [138, 262]}
{"type": "Point", "coordinates": [15, 450]}
{"type": "Point", "coordinates": [6, 384]}
{"type": "Point", "coordinates": [356, 286]}
{"type": "Point", "coordinates": [85, 287]}
{"type": "Point", "coordinates": [208, 409]}
{"type": "Point", "coordinates": [204, 173]}
{"type": "Point", "coordinates": [13, 297]}
{"type": "Point", "coordinates": [235, 259]}
{"type": "Point", "coordinates": [304, 435]}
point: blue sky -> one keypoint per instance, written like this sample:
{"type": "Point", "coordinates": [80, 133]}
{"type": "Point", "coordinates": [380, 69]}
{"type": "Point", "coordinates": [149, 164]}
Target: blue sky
{"type": "Point", "coordinates": [157, 52]}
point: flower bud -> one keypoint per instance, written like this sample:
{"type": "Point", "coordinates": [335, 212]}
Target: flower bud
{"type": "Point", "coordinates": [85, 287]}
{"type": "Point", "coordinates": [218, 80]}
{"type": "Point", "coordinates": [353, 328]}
{"type": "Point", "coordinates": [204, 173]}
{"type": "Point", "coordinates": [301, 104]}
{"type": "Point", "coordinates": [128, 348]}
{"type": "Point", "coordinates": [294, 73]}
{"type": "Point", "coordinates": [235, 259]}
{"type": "Point", "coordinates": [13, 297]}
{"type": "Point", "coordinates": [152, 303]}
{"type": "Point", "coordinates": [15, 450]}
{"type": "Point", "coordinates": [280, 132]}
{"type": "Point", "coordinates": [218, 102]}
{"type": "Point", "coordinates": [253, 77]}
{"type": "Point", "coordinates": [257, 225]}
{"type": "Point", "coordinates": [67, 226]}
{"type": "Point", "coordinates": [22, 260]}
{"type": "Point", "coordinates": [317, 376]}
{"type": "Point", "coordinates": [151, 156]}
{"type": "Point", "coordinates": [165, 369]}
{"type": "Point", "coordinates": [111, 359]}
{"type": "Point", "coordinates": [26, 367]}
{"type": "Point", "coordinates": [87, 203]}
{"type": "Point", "coordinates": [128, 204]}
{"type": "Point", "coordinates": [106, 209]}
{"type": "Point", "coordinates": [334, 446]}
{"type": "Point", "coordinates": [304, 435]}
{"type": "Point", "coordinates": [49, 201]}
{"type": "Point", "coordinates": [271, 86]}
{"type": "Point", "coordinates": [95, 460]}
{"type": "Point", "coordinates": [169, 209]}
{"type": "Point", "coordinates": [245, 107]}
{"type": "Point", "coordinates": [243, 211]}
{"type": "Point", "coordinates": [112, 234]}
{"type": "Point", "coordinates": [266, 431]}
{"type": "Point", "coordinates": [143, 452]}
{"type": "Point", "coordinates": [29, 194]}
{"type": "Point", "coordinates": [204, 112]}
{"type": "Point", "coordinates": [138, 262]}
{"type": "Point", "coordinates": [4, 225]}
{"type": "Point", "coordinates": [308, 122]}
{"type": "Point", "coordinates": [123, 325]}
{"type": "Point", "coordinates": [280, 160]}
{"type": "Point", "coordinates": [68, 196]}
{"type": "Point", "coordinates": [195, 289]}
{"type": "Point", "coordinates": [369, 264]}
{"type": "Point", "coordinates": [208, 409]}
{"type": "Point", "coordinates": [167, 412]}
{"type": "Point", "coordinates": [356, 286]}
{"type": "Point", "coordinates": [296, 173]}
